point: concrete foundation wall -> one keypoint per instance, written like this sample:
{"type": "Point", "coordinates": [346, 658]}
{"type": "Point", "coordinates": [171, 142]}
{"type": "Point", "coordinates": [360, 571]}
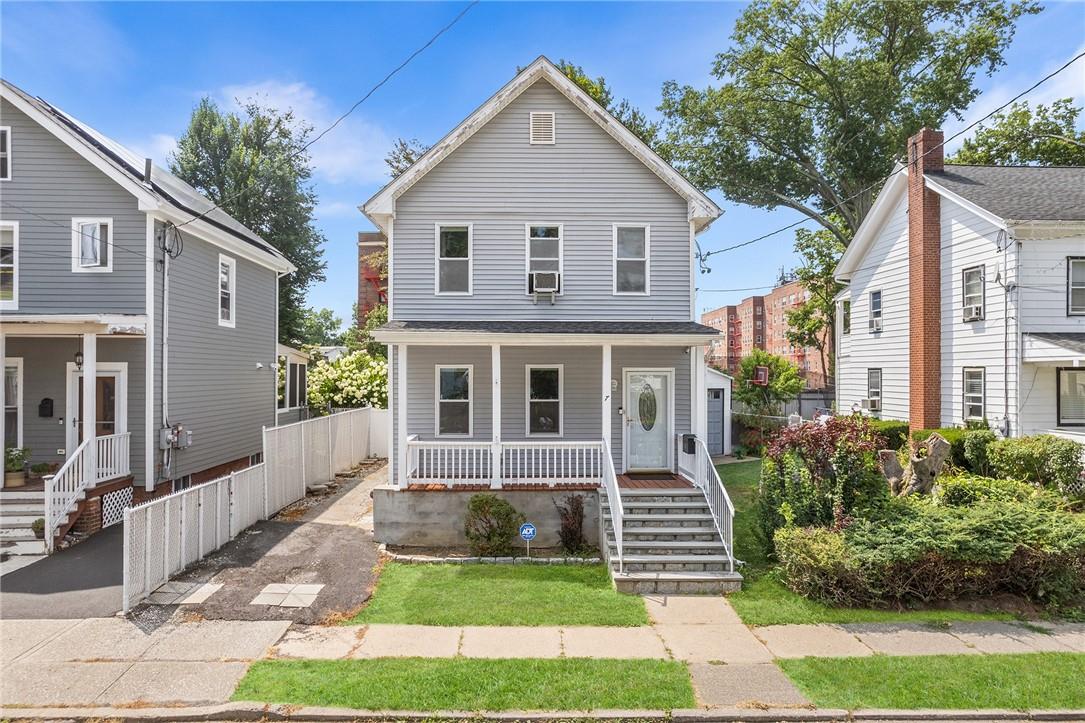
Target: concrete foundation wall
{"type": "Point", "coordinates": [422, 518]}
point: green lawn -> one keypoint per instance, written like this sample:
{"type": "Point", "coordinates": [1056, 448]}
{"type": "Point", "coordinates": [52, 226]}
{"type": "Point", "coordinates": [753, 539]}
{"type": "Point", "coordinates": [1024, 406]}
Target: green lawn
{"type": "Point", "coordinates": [765, 601]}
{"type": "Point", "coordinates": [1039, 680]}
{"type": "Point", "coordinates": [499, 595]}
{"type": "Point", "coordinates": [470, 684]}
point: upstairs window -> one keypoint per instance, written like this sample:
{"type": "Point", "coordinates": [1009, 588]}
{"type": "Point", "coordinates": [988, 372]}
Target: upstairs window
{"type": "Point", "coordinates": [1071, 397]}
{"type": "Point", "coordinates": [974, 393]}
{"type": "Point", "coordinates": [972, 294]}
{"type": "Point", "coordinates": [875, 322]}
{"type": "Point", "coordinates": [543, 253]}
{"type": "Point", "coordinates": [845, 317]}
{"type": "Point", "coordinates": [454, 401]}
{"type": "Point", "coordinates": [631, 252]}
{"type": "Point", "coordinates": [92, 245]}
{"type": "Point", "coordinates": [1075, 285]}
{"type": "Point", "coordinates": [9, 265]}
{"type": "Point", "coordinates": [544, 406]}
{"type": "Point", "coordinates": [454, 259]}
{"type": "Point", "coordinates": [227, 276]}
{"type": "Point", "coordinates": [542, 130]}
{"type": "Point", "coordinates": [5, 153]}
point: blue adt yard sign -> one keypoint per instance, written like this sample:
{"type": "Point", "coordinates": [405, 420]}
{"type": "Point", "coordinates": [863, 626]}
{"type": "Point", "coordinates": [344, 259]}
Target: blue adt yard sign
{"type": "Point", "coordinates": [527, 532]}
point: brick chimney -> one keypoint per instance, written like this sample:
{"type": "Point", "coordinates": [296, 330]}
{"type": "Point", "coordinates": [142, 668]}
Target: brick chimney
{"type": "Point", "coordinates": [372, 290]}
{"type": "Point", "coordinates": [924, 282]}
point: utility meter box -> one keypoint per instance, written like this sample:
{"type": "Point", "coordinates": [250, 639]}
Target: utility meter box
{"type": "Point", "coordinates": [689, 443]}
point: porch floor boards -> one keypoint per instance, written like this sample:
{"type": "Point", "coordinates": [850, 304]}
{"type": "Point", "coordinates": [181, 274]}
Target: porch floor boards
{"type": "Point", "coordinates": [661, 481]}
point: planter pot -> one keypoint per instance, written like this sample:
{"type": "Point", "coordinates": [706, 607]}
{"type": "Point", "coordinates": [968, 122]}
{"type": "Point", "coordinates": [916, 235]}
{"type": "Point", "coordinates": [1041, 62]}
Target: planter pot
{"type": "Point", "coordinates": [14, 479]}
{"type": "Point", "coordinates": [40, 534]}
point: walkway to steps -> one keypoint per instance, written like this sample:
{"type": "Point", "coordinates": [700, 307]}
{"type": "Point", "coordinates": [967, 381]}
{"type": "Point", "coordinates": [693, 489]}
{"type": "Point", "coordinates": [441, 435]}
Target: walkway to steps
{"type": "Point", "coordinates": [670, 543]}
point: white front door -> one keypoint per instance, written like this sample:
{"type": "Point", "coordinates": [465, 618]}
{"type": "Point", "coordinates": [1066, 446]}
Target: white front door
{"type": "Point", "coordinates": [111, 400]}
{"type": "Point", "coordinates": [649, 399]}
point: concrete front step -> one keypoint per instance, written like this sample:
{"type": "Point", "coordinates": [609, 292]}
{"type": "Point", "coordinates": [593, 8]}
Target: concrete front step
{"type": "Point", "coordinates": [23, 547]}
{"type": "Point", "coordinates": [669, 547]}
{"type": "Point", "coordinates": [664, 508]}
{"type": "Point", "coordinates": [674, 563]}
{"type": "Point", "coordinates": [670, 534]}
{"type": "Point", "coordinates": [28, 507]}
{"type": "Point", "coordinates": [15, 533]}
{"type": "Point", "coordinates": [21, 495]}
{"type": "Point", "coordinates": [668, 583]}
{"type": "Point", "coordinates": [660, 520]}
{"type": "Point", "coordinates": [8, 522]}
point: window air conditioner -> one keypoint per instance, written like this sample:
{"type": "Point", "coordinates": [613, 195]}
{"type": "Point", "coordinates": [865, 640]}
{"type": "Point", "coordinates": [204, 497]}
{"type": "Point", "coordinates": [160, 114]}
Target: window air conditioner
{"type": "Point", "coordinates": [545, 282]}
{"type": "Point", "coordinates": [876, 324]}
{"type": "Point", "coordinates": [972, 313]}
{"type": "Point", "coordinates": [872, 405]}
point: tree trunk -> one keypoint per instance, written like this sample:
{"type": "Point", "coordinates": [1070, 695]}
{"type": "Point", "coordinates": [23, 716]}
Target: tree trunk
{"type": "Point", "coordinates": [924, 465]}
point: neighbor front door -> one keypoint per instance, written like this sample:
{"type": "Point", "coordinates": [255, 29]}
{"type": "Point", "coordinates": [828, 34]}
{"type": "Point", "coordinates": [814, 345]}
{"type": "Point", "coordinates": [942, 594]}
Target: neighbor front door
{"type": "Point", "coordinates": [648, 398]}
{"type": "Point", "coordinates": [109, 413]}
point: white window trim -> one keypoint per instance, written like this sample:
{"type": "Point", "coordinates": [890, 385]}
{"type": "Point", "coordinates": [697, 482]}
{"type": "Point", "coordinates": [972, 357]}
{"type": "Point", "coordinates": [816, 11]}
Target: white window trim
{"type": "Point", "coordinates": [870, 310]}
{"type": "Point", "coordinates": [881, 383]}
{"type": "Point", "coordinates": [437, 259]}
{"type": "Point", "coordinates": [13, 304]}
{"type": "Point", "coordinates": [983, 291]}
{"type": "Point", "coordinates": [1070, 286]}
{"type": "Point", "coordinates": [553, 125]}
{"type": "Point", "coordinates": [17, 362]}
{"type": "Point", "coordinates": [7, 129]}
{"type": "Point", "coordinates": [560, 400]}
{"type": "Point", "coordinates": [561, 254]}
{"type": "Point", "coordinates": [470, 400]}
{"type": "Point", "coordinates": [647, 259]}
{"type": "Point", "coordinates": [232, 263]}
{"type": "Point", "coordinates": [845, 317]}
{"type": "Point", "coordinates": [1060, 420]}
{"type": "Point", "coordinates": [78, 221]}
{"type": "Point", "coordinates": [964, 392]}
{"type": "Point", "coordinates": [288, 386]}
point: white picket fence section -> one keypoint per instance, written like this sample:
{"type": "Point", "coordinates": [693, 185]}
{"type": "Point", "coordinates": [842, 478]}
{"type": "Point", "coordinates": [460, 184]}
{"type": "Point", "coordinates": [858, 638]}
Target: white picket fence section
{"type": "Point", "coordinates": [164, 536]}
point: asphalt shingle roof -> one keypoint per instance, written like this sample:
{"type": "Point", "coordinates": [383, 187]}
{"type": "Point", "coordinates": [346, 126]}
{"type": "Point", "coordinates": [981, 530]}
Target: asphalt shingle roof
{"type": "Point", "coordinates": [1019, 193]}
{"type": "Point", "coordinates": [555, 327]}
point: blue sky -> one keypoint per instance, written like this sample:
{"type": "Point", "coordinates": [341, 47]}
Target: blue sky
{"type": "Point", "coordinates": [135, 70]}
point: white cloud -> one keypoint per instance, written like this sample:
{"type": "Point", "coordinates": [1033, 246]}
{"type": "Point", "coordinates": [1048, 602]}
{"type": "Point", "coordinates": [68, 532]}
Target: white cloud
{"type": "Point", "coordinates": [351, 153]}
{"type": "Point", "coordinates": [337, 209]}
{"type": "Point", "coordinates": [76, 38]}
{"type": "Point", "coordinates": [158, 148]}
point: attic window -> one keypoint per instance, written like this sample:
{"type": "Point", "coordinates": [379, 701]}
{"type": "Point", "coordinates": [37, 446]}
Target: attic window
{"type": "Point", "coordinates": [542, 129]}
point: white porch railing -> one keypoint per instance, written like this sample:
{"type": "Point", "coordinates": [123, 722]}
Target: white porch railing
{"type": "Point", "coordinates": [532, 462]}
{"type": "Point", "coordinates": [699, 468]}
{"type": "Point", "coordinates": [64, 489]}
{"type": "Point", "coordinates": [449, 463]}
{"type": "Point", "coordinates": [552, 462]}
{"type": "Point", "coordinates": [617, 511]}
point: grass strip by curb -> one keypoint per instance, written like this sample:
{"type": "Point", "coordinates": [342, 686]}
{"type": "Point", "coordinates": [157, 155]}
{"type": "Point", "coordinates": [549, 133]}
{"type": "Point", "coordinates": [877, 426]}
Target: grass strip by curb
{"type": "Point", "coordinates": [499, 595]}
{"type": "Point", "coordinates": [1027, 681]}
{"type": "Point", "coordinates": [470, 684]}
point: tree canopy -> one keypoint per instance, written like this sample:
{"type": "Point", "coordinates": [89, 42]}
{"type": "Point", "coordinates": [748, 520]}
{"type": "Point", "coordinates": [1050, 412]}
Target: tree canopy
{"type": "Point", "coordinates": [318, 327]}
{"type": "Point", "coordinates": [813, 323]}
{"type": "Point", "coordinates": [253, 165]}
{"type": "Point", "coordinates": [1020, 136]}
{"type": "Point", "coordinates": [784, 383]}
{"type": "Point", "coordinates": [817, 100]}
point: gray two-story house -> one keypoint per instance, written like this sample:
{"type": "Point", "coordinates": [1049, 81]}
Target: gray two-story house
{"type": "Point", "coordinates": [114, 270]}
{"type": "Point", "coordinates": [542, 336]}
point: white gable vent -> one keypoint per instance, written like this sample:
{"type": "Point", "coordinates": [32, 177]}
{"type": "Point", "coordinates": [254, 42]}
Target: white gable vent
{"type": "Point", "coordinates": [542, 129]}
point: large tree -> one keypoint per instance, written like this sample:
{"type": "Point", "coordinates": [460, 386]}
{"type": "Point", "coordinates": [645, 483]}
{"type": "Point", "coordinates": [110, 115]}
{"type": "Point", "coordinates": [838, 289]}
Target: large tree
{"type": "Point", "coordinates": [318, 327]}
{"type": "Point", "coordinates": [1040, 136]}
{"type": "Point", "coordinates": [817, 100]}
{"type": "Point", "coordinates": [253, 164]}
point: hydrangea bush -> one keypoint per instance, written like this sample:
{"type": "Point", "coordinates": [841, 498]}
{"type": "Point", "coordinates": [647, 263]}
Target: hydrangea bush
{"type": "Point", "coordinates": [352, 380]}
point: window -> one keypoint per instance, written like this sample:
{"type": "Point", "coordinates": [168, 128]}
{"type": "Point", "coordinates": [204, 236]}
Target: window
{"type": "Point", "coordinates": [542, 128]}
{"type": "Point", "coordinates": [1075, 285]}
{"type": "Point", "coordinates": [544, 406]}
{"type": "Point", "coordinates": [1071, 397]}
{"type": "Point", "coordinates": [92, 245]}
{"type": "Point", "coordinates": [454, 259]}
{"type": "Point", "coordinates": [454, 401]}
{"type": "Point", "coordinates": [874, 384]}
{"type": "Point", "coordinates": [13, 402]}
{"type": "Point", "coordinates": [227, 291]}
{"type": "Point", "coordinates": [845, 317]}
{"type": "Point", "coordinates": [875, 311]}
{"type": "Point", "coordinates": [973, 300]}
{"type": "Point", "coordinates": [297, 389]}
{"type": "Point", "coordinates": [5, 153]}
{"type": "Point", "coordinates": [543, 252]}
{"type": "Point", "coordinates": [9, 265]}
{"type": "Point", "coordinates": [974, 392]}
{"type": "Point", "coordinates": [631, 252]}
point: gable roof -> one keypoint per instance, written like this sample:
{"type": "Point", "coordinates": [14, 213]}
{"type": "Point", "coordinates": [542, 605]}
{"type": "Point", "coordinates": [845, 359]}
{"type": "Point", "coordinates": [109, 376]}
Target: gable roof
{"type": "Point", "coordinates": [886, 200]}
{"type": "Point", "coordinates": [701, 209]}
{"type": "Point", "coordinates": [165, 192]}
{"type": "Point", "coordinates": [1019, 193]}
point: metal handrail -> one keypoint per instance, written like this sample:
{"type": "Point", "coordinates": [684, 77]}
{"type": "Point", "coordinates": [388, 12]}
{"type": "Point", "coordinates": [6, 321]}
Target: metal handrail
{"type": "Point", "coordinates": [719, 502]}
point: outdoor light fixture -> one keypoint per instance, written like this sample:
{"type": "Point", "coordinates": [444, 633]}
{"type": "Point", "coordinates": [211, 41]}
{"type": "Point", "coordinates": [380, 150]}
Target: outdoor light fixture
{"type": "Point", "coordinates": [79, 360]}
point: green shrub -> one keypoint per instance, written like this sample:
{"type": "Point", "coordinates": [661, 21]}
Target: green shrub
{"type": "Point", "coordinates": [1043, 460]}
{"type": "Point", "coordinates": [895, 433]}
{"type": "Point", "coordinates": [965, 490]}
{"type": "Point", "coordinates": [490, 525]}
{"type": "Point", "coordinates": [919, 551]}
{"type": "Point", "coordinates": [954, 436]}
{"type": "Point", "coordinates": [975, 450]}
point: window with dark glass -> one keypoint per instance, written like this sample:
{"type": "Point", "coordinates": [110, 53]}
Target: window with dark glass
{"type": "Point", "coordinates": [454, 401]}
{"type": "Point", "coordinates": [544, 400]}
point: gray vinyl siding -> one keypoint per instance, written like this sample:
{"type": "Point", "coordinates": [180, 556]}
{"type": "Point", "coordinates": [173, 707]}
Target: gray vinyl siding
{"type": "Point", "coordinates": [498, 182]}
{"type": "Point", "coordinates": [51, 184]}
{"type": "Point", "coordinates": [215, 387]}
{"type": "Point", "coordinates": [422, 362]}
{"type": "Point", "coordinates": [581, 384]}
{"type": "Point", "coordinates": [44, 368]}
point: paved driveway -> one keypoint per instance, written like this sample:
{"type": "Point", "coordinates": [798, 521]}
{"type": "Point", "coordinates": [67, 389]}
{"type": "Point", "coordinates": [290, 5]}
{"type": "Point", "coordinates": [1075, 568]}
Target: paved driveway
{"type": "Point", "coordinates": [83, 581]}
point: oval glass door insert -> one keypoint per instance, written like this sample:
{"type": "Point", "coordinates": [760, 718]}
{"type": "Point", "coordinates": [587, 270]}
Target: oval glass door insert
{"type": "Point", "coordinates": [647, 407]}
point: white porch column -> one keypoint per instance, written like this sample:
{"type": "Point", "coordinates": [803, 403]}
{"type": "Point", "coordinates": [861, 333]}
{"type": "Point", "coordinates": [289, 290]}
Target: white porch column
{"type": "Point", "coordinates": [3, 403]}
{"type": "Point", "coordinates": [606, 394]}
{"type": "Point", "coordinates": [90, 408]}
{"type": "Point", "coordinates": [700, 394]}
{"type": "Point", "coordinates": [495, 452]}
{"type": "Point", "coordinates": [401, 415]}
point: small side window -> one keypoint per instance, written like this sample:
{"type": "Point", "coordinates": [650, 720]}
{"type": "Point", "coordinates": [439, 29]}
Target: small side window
{"type": "Point", "coordinates": [5, 153]}
{"type": "Point", "coordinates": [845, 317]}
{"type": "Point", "coordinates": [631, 254]}
{"type": "Point", "coordinates": [875, 322]}
{"type": "Point", "coordinates": [1075, 285]}
{"type": "Point", "coordinates": [92, 245]}
{"type": "Point", "coordinates": [972, 294]}
{"type": "Point", "coordinates": [227, 275]}
{"type": "Point", "coordinates": [974, 403]}
{"type": "Point", "coordinates": [454, 259]}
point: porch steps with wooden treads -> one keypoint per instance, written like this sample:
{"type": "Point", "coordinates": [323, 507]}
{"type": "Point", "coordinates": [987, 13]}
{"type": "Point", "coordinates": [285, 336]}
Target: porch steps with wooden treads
{"type": "Point", "coordinates": [18, 510]}
{"type": "Point", "coordinates": [670, 544]}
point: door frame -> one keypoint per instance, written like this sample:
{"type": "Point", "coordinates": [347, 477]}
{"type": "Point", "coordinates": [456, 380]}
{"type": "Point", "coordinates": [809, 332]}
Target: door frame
{"type": "Point", "coordinates": [669, 373]}
{"type": "Point", "coordinates": [71, 404]}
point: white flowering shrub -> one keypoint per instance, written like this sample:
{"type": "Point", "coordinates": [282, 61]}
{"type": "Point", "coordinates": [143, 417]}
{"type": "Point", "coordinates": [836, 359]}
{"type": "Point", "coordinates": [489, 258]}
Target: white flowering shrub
{"type": "Point", "coordinates": [352, 380]}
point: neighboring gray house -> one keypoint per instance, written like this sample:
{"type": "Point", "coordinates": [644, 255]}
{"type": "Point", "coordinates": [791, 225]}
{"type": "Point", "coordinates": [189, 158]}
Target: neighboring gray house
{"type": "Point", "coordinates": [542, 335]}
{"type": "Point", "coordinates": [104, 274]}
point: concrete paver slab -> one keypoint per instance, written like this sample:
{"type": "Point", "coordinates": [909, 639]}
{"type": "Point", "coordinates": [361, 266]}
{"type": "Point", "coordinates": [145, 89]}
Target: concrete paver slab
{"type": "Point", "coordinates": [909, 640]}
{"type": "Point", "coordinates": [703, 643]}
{"type": "Point", "coordinates": [269, 598]}
{"type": "Point", "coordinates": [200, 594]}
{"type": "Point", "coordinates": [99, 639]}
{"type": "Point", "coordinates": [297, 600]}
{"type": "Point", "coordinates": [218, 640]}
{"type": "Point", "coordinates": [800, 641]}
{"type": "Point", "coordinates": [746, 686]}
{"type": "Point", "coordinates": [324, 642]}
{"type": "Point", "coordinates": [175, 682]}
{"type": "Point", "coordinates": [511, 642]}
{"type": "Point", "coordinates": [307, 589]}
{"type": "Point", "coordinates": [57, 683]}
{"type": "Point", "coordinates": [17, 637]}
{"type": "Point", "coordinates": [397, 641]}
{"type": "Point", "coordinates": [690, 610]}
{"type": "Point", "coordinates": [996, 637]}
{"type": "Point", "coordinates": [600, 642]}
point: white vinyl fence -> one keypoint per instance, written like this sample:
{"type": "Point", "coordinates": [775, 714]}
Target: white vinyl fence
{"type": "Point", "coordinates": [164, 536]}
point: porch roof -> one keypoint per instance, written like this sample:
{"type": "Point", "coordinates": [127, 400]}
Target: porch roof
{"type": "Point", "coordinates": [547, 332]}
{"type": "Point", "coordinates": [1040, 346]}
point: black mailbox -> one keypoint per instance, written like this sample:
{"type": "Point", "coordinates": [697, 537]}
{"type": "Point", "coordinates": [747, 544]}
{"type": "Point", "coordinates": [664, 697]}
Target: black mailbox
{"type": "Point", "coordinates": [45, 407]}
{"type": "Point", "coordinates": [689, 443]}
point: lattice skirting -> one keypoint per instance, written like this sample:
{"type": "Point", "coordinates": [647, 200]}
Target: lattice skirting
{"type": "Point", "coordinates": [114, 504]}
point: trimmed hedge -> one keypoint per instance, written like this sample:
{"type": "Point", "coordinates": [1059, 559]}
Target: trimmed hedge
{"type": "Point", "coordinates": [965, 490]}
{"type": "Point", "coordinates": [895, 433]}
{"type": "Point", "coordinates": [1043, 460]}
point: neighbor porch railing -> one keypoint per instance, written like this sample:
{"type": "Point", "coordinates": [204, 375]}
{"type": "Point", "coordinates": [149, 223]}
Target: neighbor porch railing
{"type": "Point", "coordinates": [64, 489]}
{"type": "Point", "coordinates": [549, 462]}
{"type": "Point", "coordinates": [699, 468]}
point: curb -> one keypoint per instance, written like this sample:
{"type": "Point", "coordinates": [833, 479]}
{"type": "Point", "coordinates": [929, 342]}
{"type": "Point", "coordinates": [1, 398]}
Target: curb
{"type": "Point", "coordinates": [382, 550]}
{"type": "Point", "coordinates": [262, 712]}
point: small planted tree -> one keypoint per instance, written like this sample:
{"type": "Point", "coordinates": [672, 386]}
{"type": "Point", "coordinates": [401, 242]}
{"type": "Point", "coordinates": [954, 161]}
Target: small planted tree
{"type": "Point", "coordinates": [491, 525]}
{"type": "Point", "coordinates": [764, 385]}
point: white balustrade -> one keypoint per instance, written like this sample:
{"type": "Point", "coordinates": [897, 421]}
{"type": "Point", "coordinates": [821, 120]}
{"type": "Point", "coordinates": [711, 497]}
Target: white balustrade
{"type": "Point", "coordinates": [64, 489]}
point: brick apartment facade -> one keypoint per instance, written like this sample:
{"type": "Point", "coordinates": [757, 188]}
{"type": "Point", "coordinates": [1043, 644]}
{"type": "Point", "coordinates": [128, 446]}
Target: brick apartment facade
{"type": "Point", "coordinates": [372, 290]}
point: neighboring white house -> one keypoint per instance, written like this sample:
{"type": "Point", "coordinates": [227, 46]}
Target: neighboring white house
{"type": "Point", "coordinates": [966, 298]}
